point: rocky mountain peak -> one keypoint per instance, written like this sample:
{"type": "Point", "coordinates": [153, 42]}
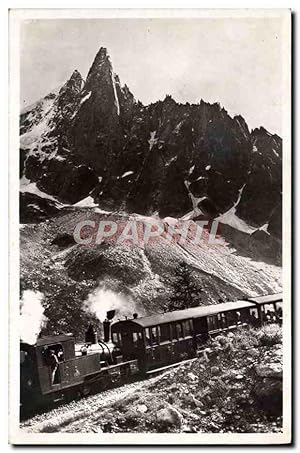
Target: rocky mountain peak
{"type": "Point", "coordinates": [76, 80]}
{"type": "Point", "coordinates": [166, 157]}
{"type": "Point", "coordinates": [169, 100]}
{"type": "Point", "coordinates": [70, 89]}
{"type": "Point", "coordinates": [100, 68]}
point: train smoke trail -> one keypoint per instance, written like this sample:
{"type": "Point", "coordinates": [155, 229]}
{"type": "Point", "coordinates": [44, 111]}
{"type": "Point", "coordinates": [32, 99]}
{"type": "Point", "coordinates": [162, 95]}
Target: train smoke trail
{"type": "Point", "coordinates": [104, 299]}
{"type": "Point", "coordinates": [32, 317]}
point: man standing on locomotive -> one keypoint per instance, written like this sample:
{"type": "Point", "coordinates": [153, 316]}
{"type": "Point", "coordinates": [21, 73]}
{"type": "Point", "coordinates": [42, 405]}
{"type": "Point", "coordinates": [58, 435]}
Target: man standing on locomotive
{"type": "Point", "coordinates": [53, 363]}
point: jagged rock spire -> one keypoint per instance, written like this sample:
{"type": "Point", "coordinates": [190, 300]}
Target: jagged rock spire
{"type": "Point", "coordinates": [73, 85]}
{"type": "Point", "coordinates": [100, 64]}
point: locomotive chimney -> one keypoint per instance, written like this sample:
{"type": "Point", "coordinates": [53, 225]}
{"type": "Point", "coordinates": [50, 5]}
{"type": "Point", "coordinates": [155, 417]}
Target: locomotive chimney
{"type": "Point", "coordinates": [135, 315]}
{"type": "Point", "coordinates": [106, 329]}
{"type": "Point", "coordinates": [106, 325]}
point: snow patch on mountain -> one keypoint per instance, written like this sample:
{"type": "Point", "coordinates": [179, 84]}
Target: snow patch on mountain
{"type": "Point", "coordinates": [59, 158]}
{"type": "Point", "coordinates": [127, 173]}
{"type": "Point", "coordinates": [87, 202]}
{"type": "Point", "coordinates": [101, 211]}
{"type": "Point", "coordinates": [170, 161]}
{"type": "Point", "coordinates": [152, 141]}
{"type": "Point", "coordinates": [115, 92]}
{"type": "Point", "coordinates": [86, 97]}
{"type": "Point", "coordinates": [230, 218]}
{"type": "Point", "coordinates": [40, 129]}
{"type": "Point", "coordinates": [30, 187]}
{"type": "Point", "coordinates": [264, 228]}
{"type": "Point", "coordinates": [192, 168]}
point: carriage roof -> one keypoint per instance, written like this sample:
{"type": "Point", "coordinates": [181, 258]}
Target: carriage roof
{"type": "Point", "coordinates": [195, 312]}
{"type": "Point", "coordinates": [269, 299]}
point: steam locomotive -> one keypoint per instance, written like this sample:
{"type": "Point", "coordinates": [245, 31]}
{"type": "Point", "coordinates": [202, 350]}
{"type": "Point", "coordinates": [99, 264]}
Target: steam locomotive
{"type": "Point", "coordinates": [55, 368]}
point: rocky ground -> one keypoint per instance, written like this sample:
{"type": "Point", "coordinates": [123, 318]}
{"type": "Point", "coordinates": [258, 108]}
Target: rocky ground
{"type": "Point", "coordinates": [235, 385]}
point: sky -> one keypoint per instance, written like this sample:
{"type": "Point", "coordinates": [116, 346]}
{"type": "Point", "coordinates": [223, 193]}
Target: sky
{"type": "Point", "coordinates": [234, 61]}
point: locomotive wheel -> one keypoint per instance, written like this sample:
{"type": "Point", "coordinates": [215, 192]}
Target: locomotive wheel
{"type": "Point", "coordinates": [86, 389]}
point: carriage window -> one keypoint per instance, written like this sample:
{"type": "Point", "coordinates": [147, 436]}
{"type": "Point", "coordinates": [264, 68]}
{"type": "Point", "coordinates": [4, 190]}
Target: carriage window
{"type": "Point", "coordinates": [222, 320]}
{"type": "Point", "coordinates": [278, 308]}
{"type": "Point", "coordinates": [137, 337]}
{"type": "Point", "coordinates": [165, 332]}
{"type": "Point", "coordinates": [51, 353]}
{"type": "Point", "coordinates": [245, 315]}
{"type": "Point", "coordinates": [187, 328]}
{"type": "Point", "coordinates": [174, 332]}
{"type": "Point", "coordinates": [212, 322]}
{"type": "Point", "coordinates": [158, 332]}
{"type": "Point", "coordinates": [179, 330]}
{"type": "Point", "coordinates": [200, 325]}
{"type": "Point", "coordinates": [147, 336]}
{"type": "Point", "coordinates": [52, 356]}
{"type": "Point", "coordinates": [268, 308]}
{"type": "Point", "coordinates": [269, 314]}
{"type": "Point", "coordinates": [254, 313]}
{"type": "Point", "coordinates": [117, 339]}
{"type": "Point", "coordinates": [154, 335]}
{"type": "Point", "coordinates": [232, 318]}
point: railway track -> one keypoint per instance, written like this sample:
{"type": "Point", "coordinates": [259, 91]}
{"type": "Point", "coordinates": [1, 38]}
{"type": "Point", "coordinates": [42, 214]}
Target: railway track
{"type": "Point", "coordinates": [56, 419]}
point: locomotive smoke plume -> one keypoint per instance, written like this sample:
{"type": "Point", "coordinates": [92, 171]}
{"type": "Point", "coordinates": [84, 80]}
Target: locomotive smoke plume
{"type": "Point", "coordinates": [32, 317]}
{"type": "Point", "coordinates": [103, 300]}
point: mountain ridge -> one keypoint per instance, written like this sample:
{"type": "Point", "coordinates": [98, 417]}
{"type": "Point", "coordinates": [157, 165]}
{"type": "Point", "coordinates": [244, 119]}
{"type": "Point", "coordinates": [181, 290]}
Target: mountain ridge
{"type": "Point", "coordinates": [94, 138]}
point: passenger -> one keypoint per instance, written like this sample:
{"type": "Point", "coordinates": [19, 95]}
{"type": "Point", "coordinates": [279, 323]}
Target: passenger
{"type": "Point", "coordinates": [60, 355]}
{"type": "Point", "coordinates": [254, 320]}
{"type": "Point", "coordinates": [268, 317]}
{"type": "Point", "coordinates": [53, 361]}
{"type": "Point", "coordinates": [273, 317]}
{"type": "Point", "coordinates": [147, 339]}
{"type": "Point", "coordinates": [278, 315]}
{"type": "Point", "coordinates": [84, 350]}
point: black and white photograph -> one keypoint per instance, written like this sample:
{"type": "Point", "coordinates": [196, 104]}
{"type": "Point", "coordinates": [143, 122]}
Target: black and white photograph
{"type": "Point", "coordinates": [150, 160]}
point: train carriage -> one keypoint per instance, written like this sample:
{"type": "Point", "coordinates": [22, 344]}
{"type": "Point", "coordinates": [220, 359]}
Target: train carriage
{"type": "Point", "coordinates": [269, 307]}
{"type": "Point", "coordinates": [170, 337]}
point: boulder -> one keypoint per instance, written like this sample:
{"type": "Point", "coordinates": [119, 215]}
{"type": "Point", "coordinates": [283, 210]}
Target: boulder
{"type": "Point", "coordinates": [142, 408]}
{"type": "Point", "coordinates": [271, 370]}
{"type": "Point", "coordinates": [168, 417]}
{"type": "Point", "coordinates": [215, 370]}
{"type": "Point", "coordinates": [268, 395]}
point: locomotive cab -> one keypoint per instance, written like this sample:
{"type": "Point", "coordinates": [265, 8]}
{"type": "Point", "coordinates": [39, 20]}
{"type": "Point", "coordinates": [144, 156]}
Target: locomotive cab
{"type": "Point", "coordinates": [29, 382]}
